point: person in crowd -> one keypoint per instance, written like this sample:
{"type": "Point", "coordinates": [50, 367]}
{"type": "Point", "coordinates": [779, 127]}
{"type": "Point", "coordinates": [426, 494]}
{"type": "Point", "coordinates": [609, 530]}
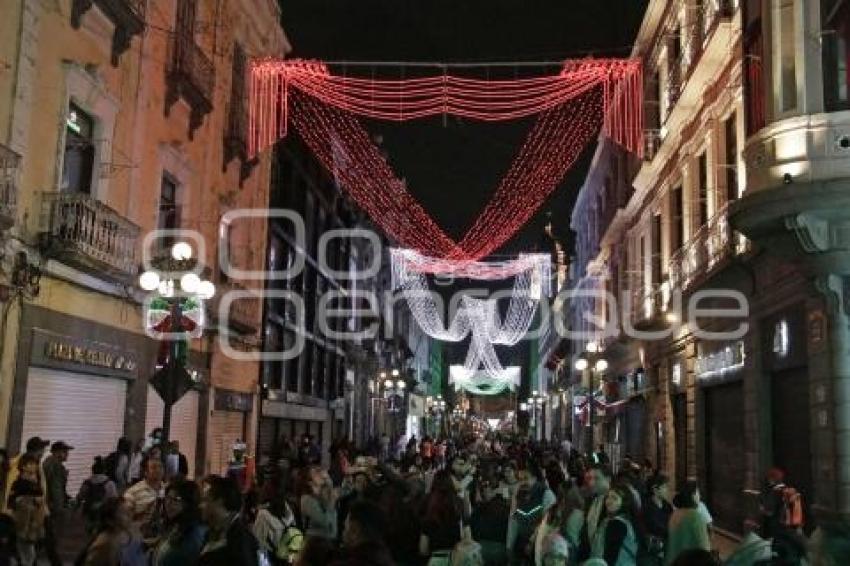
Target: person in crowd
{"type": "Point", "coordinates": [339, 463]}
{"type": "Point", "coordinates": [530, 504]}
{"type": "Point", "coordinates": [28, 507]}
{"type": "Point", "coordinates": [117, 464]}
{"type": "Point", "coordinates": [657, 511]}
{"type": "Point", "coordinates": [318, 505]}
{"type": "Point", "coordinates": [362, 538]}
{"type": "Point", "coordinates": [752, 549]}
{"type": "Point", "coordinates": [144, 500]}
{"type": "Point", "coordinates": [315, 550]}
{"type": "Point", "coordinates": [398, 502]}
{"type": "Point", "coordinates": [489, 521]}
{"type": "Point", "coordinates": [830, 544]}
{"type": "Point", "coordinates": [565, 518]}
{"type": "Point", "coordinates": [35, 448]}
{"type": "Point", "coordinates": [56, 480]}
{"type": "Point", "coordinates": [229, 541]}
{"type": "Point", "coordinates": [615, 540]}
{"type": "Point", "coordinates": [355, 488]}
{"type": "Point", "coordinates": [597, 482]}
{"type": "Point", "coordinates": [442, 518]}
{"type": "Point", "coordinates": [117, 542]}
{"type": "Point", "coordinates": [183, 536]}
{"type": "Point", "coordinates": [176, 463]}
{"type": "Point", "coordinates": [688, 528]}
{"type": "Point", "coordinates": [134, 472]}
{"type": "Point", "coordinates": [94, 492]}
{"type": "Point", "coordinates": [780, 505]}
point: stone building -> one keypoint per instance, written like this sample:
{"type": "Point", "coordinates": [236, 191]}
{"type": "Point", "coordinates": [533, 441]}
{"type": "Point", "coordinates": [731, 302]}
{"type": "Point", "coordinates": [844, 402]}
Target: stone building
{"type": "Point", "coordinates": [119, 117]}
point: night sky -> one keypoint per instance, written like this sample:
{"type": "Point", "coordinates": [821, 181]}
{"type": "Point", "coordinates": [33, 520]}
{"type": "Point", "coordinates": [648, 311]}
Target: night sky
{"type": "Point", "coordinates": [453, 166]}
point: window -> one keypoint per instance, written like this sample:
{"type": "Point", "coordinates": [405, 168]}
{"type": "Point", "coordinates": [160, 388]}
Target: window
{"type": "Point", "coordinates": [731, 166]}
{"type": "Point", "coordinates": [656, 250]}
{"type": "Point", "coordinates": [785, 67]}
{"type": "Point", "coordinates": [753, 76]}
{"type": "Point", "coordinates": [78, 163]}
{"type": "Point", "coordinates": [677, 217]}
{"type": "Point", "coordinates": [702, 189]}
{"type": "Point", "coordinates": [169, 211]}
{"type": "Point", "coordinates": [835, 35]}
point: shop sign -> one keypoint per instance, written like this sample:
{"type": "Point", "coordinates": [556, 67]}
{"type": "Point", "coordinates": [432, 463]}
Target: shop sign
{"type": "Point", "coordinates": [227, 400]}
{"type": "Point", "coordinates": [727, 359]}
{"type": "Point", "coordinates": [77, 354]}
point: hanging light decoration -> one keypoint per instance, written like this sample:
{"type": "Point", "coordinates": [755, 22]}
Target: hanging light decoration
{"type": "Point", "coordinates": [480, 383]}
{"type": "Point", "coordinates": [571, 106]}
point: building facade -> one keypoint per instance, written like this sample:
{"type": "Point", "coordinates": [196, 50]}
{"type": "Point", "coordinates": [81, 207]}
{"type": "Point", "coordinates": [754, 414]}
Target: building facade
{"type": "Point", "coordinates": [746, 144]}
{"type": "Point", "coordinates": [120, 118]}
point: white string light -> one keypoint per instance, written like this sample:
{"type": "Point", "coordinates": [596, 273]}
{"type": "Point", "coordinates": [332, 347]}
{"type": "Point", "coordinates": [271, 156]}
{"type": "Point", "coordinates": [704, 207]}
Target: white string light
{"type": "Point", "coordinates": [478, 317]}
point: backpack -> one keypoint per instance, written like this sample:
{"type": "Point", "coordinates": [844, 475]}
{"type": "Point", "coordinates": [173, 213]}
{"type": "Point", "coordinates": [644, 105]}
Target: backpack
{"type": "Point", "coordinates": [290, 544]}
{"type": "Point", "coordinates": [791, 514]}
{"type": "Point", "coordinates": [95, 496]}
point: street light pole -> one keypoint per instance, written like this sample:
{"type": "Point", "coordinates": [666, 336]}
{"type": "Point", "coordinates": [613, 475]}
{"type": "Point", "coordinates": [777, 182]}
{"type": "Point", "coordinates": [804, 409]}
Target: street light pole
{"type": "Point", "coordinates": [592, 362]}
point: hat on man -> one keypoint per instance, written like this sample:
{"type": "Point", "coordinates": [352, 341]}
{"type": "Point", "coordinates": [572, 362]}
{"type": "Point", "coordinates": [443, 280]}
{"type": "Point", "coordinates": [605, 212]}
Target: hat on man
{"type": "Point", "coordinates": [59, 446]}
{"type": "Point", "coordinates": [37, 443]}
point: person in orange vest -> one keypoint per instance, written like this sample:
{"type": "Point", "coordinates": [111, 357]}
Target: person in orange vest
{"type": "Point", "coordinates": [781, 505]}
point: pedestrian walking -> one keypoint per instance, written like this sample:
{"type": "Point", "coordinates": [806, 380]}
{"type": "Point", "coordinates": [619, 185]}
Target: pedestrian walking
{"type": "Point", "coordinates": [94, 492]}
{"type": "Point", "coordinates": [657, 511]}
{"type": "Point", "coordinates": [229, 541]}
{"type": "Point", "coordinates": [688, 527]}
{"type": "Point", "coordinates": [318, 505]}
{"type": "Point", "coordinates": [35, 448]}
{"type": "Point", "coordinates": [29, 508]}
{"type": "Point", "coordinates": [56, 480]}
{"type": "Point", "coordinates": [183, 535]}
{"type": "Point", "coordinates": [362, 540]}
{"type": "Point", "coordinates": [117, 542]}
{"type": "Point", "coordinates": [615, 540]}
{"type": "Point", "coordinates": [145, 501]}
{"type": "Point", "coordinates": [117, 464]}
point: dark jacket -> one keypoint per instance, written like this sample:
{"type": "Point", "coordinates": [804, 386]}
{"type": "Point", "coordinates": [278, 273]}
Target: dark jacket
{"type": "Point", "coordinates": [240, 548]}
{"type": "Point", "coordinates": [56, 479]}
{"type": "Point", "coordinates": [366, 554]}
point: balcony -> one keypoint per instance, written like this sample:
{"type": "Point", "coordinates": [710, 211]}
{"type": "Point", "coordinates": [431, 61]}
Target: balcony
{"type": "Point", "coordinates": [711, 245]}
{"type": "Point", "coordinates": [10, 163]}
{"type": "Point", "coordinates": [85, 233]}
{"type": "Point", "coordinates": [244, 315]}
{"type": "Point", "coordinates": [190, 74]}
{"type": "Point", "coordinates": [128, 17]}
{"type": "Point", "coordinates": [236, 140]}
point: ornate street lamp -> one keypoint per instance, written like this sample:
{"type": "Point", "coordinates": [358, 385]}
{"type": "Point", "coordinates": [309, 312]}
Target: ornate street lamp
{"type": "Point", "coordinates": [174, 312]}
{"type": "Point", "coordinates": [593, 365]}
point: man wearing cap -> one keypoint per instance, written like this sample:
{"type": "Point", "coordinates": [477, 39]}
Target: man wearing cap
{"type": "Point", "coordinates": [56, 478]}
{"type": "Point", "coordinates": [35, 447]}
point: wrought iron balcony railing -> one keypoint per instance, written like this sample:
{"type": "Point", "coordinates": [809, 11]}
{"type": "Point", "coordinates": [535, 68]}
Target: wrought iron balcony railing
{"type": "Point", "coordinates": [128, 17]}
{"type": "Point", "coordinates": [191, 74]}
{"type": "Point", "coordinates": [10, 163]}
{"type": "Point", "coordinates": [713, 242]}
{"type": "Point", "coordinates": [86, 233]}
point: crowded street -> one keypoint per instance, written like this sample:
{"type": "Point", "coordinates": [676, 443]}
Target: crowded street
{"type": "Point", "coordinates": [425, 283]}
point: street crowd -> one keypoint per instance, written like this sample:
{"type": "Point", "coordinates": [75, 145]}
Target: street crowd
{"type": "Point", "coordinates": [461, 501]}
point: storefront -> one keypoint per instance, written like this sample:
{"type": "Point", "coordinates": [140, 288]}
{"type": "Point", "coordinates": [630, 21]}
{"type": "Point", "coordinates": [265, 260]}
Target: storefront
{"type": "Point", "coordinates": [786, 363]}
{"type": "Point", "coordinates": [719, 376]}
{"type": "Point", "coordinates": [83, 391]}
{"type": "Point", "coordinates": [184, 422]}
{"type": "Point", "coordinates": [679, 410]}
{"type": "Point", "coordinates": [228, 426]}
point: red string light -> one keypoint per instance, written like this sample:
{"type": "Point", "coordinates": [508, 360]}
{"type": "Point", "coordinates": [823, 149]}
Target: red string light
{"type": "Point", "coordinates": [571, 107]}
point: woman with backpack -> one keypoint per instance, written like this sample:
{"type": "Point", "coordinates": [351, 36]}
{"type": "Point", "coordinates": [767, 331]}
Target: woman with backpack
{"type": "Point", "coordinates": [615, 540]}
{"type": "Point", "coordinates": [93, 492]}
{"type": "Point", "coordinates": [183, 538]}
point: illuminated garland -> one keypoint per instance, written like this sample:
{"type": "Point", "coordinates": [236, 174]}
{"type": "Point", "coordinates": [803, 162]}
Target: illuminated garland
{"type": "Point", "coordinates": [571, 108]}
{"type": "Point", "coordinates": [479, 383]}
